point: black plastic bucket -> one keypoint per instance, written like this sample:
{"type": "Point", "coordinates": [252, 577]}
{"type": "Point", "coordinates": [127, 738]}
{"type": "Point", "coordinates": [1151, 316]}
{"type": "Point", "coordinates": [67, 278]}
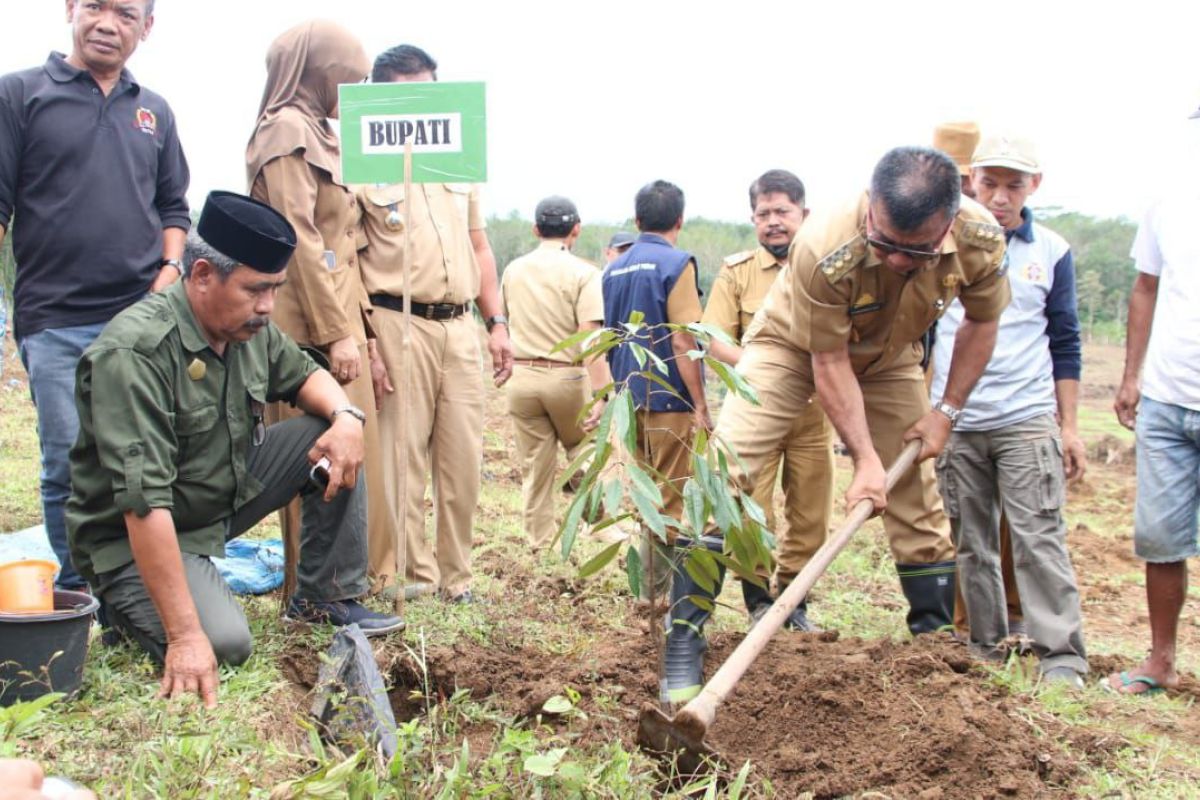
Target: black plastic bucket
{"type": "Point", "coordinates": [42, 653]}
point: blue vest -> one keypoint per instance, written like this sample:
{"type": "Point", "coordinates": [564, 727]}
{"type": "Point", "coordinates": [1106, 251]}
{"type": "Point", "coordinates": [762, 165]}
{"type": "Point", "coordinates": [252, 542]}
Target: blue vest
{"type": "Point", "coordinates": [640, 280]}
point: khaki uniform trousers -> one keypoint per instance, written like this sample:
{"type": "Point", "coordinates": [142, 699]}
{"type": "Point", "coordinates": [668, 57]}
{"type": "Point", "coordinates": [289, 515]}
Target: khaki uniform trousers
{"type": "Point", "coordinates": [381, 522]}
{"type": "Point", "coordinates": [916, 527]}
{"type": "Point", "coordinates": [801, 438]}
{"type": "Point", "coordinates": [544, 403]}
{"type": "Point", "coordinates": [664, 444]}
{"type": "Point", "coordinates": [444, 439]}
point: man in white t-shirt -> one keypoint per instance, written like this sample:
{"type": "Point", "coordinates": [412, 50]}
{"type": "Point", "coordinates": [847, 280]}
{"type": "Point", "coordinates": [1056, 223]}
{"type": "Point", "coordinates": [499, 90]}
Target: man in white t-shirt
{"type": "Point", "coordinates": [1163, 334]}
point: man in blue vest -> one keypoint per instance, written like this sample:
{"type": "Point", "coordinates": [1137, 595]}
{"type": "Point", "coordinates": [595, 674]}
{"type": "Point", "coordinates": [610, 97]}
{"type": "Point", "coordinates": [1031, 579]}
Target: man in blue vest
{"type": "Point", "coordinates": [659, 280]}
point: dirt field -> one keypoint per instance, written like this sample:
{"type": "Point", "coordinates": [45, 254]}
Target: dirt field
{"type": "Point", "coordinates": [860, 711]}
{"type": "Point", "coordinates": [827, 715]}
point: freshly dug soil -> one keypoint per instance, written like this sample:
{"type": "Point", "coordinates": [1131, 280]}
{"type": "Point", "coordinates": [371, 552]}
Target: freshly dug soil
{"type": "Point", "coordinates": [813, 714]}
{"type": "Point", "coordinates": [905, 719]}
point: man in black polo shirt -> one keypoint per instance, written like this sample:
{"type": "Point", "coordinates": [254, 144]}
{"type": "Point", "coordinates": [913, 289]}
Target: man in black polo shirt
{"type": "Point", "coordinates": [94, 178]}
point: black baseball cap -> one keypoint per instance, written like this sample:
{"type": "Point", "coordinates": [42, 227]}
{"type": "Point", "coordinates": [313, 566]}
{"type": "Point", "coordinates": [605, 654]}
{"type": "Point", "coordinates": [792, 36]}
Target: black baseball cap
{"type": "Point", "coordinates": [621, 239]}
{"type": "Point", "coordinates": [556, 210]}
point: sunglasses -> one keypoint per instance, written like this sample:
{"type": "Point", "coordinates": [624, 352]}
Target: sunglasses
{"type": "Point", "coordinates": [886, 248]}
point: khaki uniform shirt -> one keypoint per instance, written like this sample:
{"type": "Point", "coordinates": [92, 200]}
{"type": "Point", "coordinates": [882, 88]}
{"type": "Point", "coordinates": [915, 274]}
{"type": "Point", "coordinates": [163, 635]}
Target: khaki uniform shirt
{"type": "Point", "coordinates": [444, 269]}
{"type": "Point", "coordinates": [323, 299]}
{"type": "Point", "coordinates": [836, 292]}
{"type": "Point", "coordinates": [164, 422]}
{"type": "Point", "coordinates": [683, 303]}
{"type": "Point", "coordinates": [547, 294]}
{"type": "Point", "coordinates": [739, 291]}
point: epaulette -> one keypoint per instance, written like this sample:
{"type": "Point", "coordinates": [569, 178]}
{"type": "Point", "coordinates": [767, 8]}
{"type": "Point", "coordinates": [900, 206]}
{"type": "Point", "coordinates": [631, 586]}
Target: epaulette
{"type": "Point", "coordinates": [837, 264]}
{"type": "Point", "coordinates": [153, 328]}
{"type": "Point", "coordinates": [738, 258]}
{"type": "Point", "coordinates": [983, 235]}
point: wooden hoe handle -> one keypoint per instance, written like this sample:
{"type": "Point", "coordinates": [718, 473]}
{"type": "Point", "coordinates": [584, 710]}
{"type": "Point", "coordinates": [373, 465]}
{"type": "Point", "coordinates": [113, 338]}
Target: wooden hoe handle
{"type": "Point", "coordinates": [703, 708]}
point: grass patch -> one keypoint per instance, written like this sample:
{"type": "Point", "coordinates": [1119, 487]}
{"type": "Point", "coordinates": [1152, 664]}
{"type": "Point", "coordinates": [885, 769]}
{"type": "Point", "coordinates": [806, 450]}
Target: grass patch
{"type": "Point", "coordinates": [121, 741]}
{"type": "Point", "coordinates": [1096, 422]}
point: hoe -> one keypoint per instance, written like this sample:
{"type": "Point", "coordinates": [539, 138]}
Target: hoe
{"type": "Point", "coordinates": [683, 735]}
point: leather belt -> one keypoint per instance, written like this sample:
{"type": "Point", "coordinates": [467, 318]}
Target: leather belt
{"type": "Point", "coordinates": [542, 362]}
{"type": "Point", "coordinates": [437, 311]}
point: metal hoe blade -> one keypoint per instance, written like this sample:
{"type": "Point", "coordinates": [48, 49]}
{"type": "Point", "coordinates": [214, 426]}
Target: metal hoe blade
{"type": "Point", "coordinates": [673, 737]}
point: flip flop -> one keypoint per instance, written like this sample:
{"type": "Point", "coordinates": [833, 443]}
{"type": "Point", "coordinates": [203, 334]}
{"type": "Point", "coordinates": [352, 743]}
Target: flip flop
{"type": "Point", "coordinates": [1153, 687]}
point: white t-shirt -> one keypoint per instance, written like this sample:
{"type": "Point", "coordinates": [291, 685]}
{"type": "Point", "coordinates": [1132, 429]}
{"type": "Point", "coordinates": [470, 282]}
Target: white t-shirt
{"type": "Point", "coordinates": [1168, 245]}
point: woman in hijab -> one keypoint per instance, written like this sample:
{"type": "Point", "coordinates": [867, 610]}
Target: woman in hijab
{"type": "Point", "coordinates": [293, 164]}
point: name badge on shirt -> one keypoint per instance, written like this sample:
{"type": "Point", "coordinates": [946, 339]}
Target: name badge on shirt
{"type": "Point", "coordinates": [865, 304]}
{"type": "Point", "coordinates": [330, 260]}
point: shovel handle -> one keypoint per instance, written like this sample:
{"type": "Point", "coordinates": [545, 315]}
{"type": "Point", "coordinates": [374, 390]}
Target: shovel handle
{"type": "Point", "coordinates": [703, 708]}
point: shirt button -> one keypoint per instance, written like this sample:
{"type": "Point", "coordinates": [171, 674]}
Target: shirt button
{"type": "Point", "coordinates": [95, 91]}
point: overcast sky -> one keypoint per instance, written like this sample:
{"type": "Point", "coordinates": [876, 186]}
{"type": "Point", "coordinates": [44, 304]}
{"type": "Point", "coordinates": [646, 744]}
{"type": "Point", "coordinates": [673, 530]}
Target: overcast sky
{"type": "Point", "coordinates": [593, 99]}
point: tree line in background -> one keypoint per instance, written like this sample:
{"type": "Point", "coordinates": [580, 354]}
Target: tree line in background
{"type": "Point", "coordinates": [1101, 246]}
{"type": "Point", "coordinates": [1104, 270]}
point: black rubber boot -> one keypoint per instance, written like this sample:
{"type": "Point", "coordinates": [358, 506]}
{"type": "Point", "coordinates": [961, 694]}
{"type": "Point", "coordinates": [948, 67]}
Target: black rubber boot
{"type": "Point", "coordinates": [798, 619]}
{"type": "Point", "coordinates": [757, 600]}
{"type": "Point", "coordinates": [683, 658]}
{"type": "Point", "coordinates": [930, 592]}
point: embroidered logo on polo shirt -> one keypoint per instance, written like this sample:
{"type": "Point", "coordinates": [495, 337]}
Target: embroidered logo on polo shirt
{"type": "Point", "coordinates": [146, 121]}
{"type": "Point", "coordinates": [1033, 272]}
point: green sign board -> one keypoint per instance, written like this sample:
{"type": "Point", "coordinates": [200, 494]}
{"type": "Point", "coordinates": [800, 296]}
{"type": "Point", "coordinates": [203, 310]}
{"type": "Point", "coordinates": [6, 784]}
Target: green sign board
{"type": "Point", "coordinates": [445, 122]}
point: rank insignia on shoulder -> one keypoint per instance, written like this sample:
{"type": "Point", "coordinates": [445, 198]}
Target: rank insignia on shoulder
{"type": "Point", "coordinates": [738, 258]}
{"type": "Point", "coordinates": [983, 235]}
{"type": "Point", "coordinates": [950, 281]}
{"type": "Point", "coordinates": [837, 264]}
{"type": "Point", "coordinates": [197, 369]}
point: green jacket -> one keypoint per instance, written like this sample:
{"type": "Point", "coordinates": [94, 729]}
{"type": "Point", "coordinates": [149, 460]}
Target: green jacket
{"type": "Point", "coordinates": [164, 422]}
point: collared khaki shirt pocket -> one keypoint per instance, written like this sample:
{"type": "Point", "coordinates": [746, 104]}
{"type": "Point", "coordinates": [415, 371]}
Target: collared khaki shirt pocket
{"type": "Point", "coordinates": [746, 314]}
{"type": "Point", "coordinates": [387, 205]}
{"type": "Point", "coordinates": [460, 194]}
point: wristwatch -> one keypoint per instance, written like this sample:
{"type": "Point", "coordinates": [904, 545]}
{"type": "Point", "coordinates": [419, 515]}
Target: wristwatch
{"type": "Point", "coordinates": [494, 320]}
{"type": "Point", "coordinates": [353, 411]}
{"type": "Point", "coordinates": [949, 411]}
{"type": "Point", "coordinates": [172, 262]}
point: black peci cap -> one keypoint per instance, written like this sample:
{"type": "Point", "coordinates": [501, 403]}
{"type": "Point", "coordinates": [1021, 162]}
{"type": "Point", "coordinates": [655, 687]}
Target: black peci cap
{"type": "Point", "coordinates": [249, 232]}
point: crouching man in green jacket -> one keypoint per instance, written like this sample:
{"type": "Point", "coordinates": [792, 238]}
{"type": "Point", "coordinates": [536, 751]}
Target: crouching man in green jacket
{"type": "Point", "coordinates": [173, 458]}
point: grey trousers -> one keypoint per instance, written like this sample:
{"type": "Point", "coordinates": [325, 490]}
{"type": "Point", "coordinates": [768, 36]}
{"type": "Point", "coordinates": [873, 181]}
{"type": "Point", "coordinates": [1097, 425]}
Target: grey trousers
{"type": "Point", "coordinates": [333, 549]}
{"type": "Point", "coordinates": [1020, 469]}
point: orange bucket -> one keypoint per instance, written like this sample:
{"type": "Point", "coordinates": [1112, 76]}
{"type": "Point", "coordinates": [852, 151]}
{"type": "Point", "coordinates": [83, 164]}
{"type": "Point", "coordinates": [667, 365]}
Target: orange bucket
{"type": "Point", "coordinates": [27, 587]}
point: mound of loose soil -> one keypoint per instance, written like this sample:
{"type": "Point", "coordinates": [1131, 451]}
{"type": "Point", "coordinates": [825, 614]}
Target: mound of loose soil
{"type": "Point", "coordinates": [906, 719]}
{"type": "Point", "coordinates": [813, 714]}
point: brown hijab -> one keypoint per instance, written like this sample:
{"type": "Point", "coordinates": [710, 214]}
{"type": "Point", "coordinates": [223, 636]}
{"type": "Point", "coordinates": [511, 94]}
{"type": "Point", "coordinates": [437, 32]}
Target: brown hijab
{"type": "Point", "coordinates": [304, 67]}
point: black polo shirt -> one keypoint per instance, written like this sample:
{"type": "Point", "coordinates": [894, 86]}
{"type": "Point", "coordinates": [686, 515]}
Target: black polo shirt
{"type": "Point", "coordinates": [88, 182]}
